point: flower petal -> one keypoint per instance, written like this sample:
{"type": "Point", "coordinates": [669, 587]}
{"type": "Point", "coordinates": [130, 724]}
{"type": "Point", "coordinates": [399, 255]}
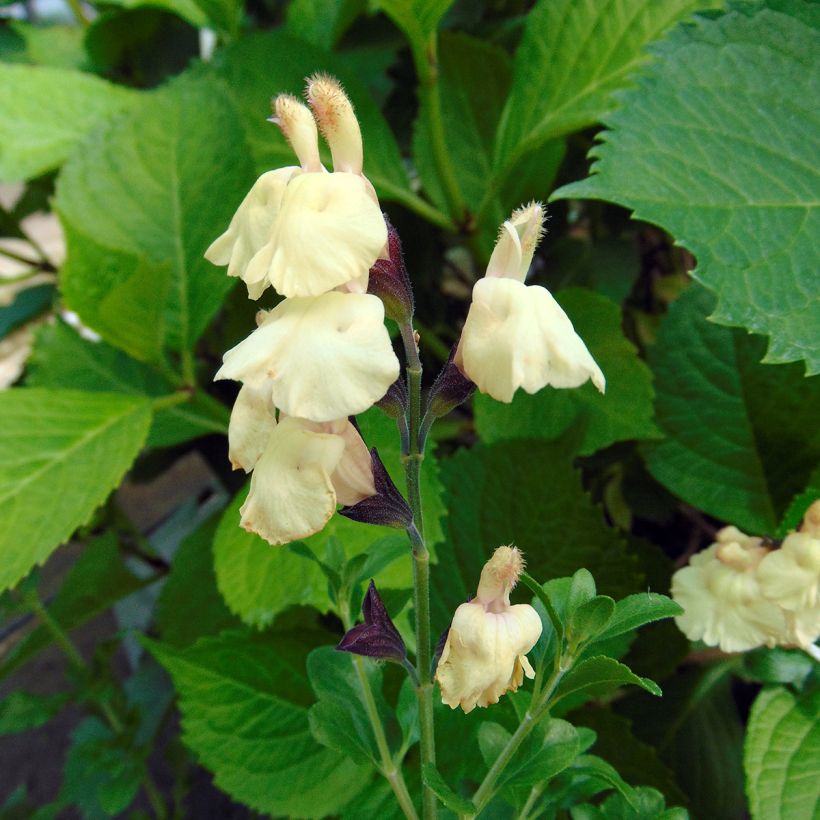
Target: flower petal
{"type": "Point", "coordinates": [328, 356]}
{"type": "Point", "coordinates": [252, 421]}
{"type": "Point", "coordinates": [329, 231]}
{"type": "Point", "coordinates": [291, 493]}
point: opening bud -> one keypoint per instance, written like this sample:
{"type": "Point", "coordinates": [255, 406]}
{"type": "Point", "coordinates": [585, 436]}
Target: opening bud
{"type": "Point", "coordinates": [377, 637]}
{"type": "Point", "coordinates": [337, 121]}
{"type": "Point", "coordinates": [387, 507]}
{"type": "Point", "coordinates": [394, 402]}
{"type": "Point", "coordinates": [297, 124]}
{"type": "Point", "coordinates": [450, 388]}
{"type": "Point", "coordinates": [389, 280]}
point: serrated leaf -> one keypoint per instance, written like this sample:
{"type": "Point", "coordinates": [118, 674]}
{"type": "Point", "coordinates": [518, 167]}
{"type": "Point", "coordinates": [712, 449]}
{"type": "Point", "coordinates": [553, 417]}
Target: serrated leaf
{"type": "Point", "coordinates": [755, 440]}
{"type": "Point", "coordinates": [781, 752]}
{"type": "Point", "coordinates": [636, 610]}
{"type": "Point", "coordinates": [623, 412]}
{"type": "Point", "coordinates": [573, 56]}
{"type": "Point", "coordinates": [717, 173]}
{"type": "Point", "coordinates": [601, 675]}
{"type": "Point", "coordinates": [61, 358]}
{"type": "Point", "coordinates": [47, 112]}
{"type": "Point", "coordinates": [438, 785]}
{"type": "Point", "coordinates": [96, 581]}
{"type": "Point", "coordinates": [244, 700]}
{"type": "Point", "coordinates": [140, 204]}
{"type": "Point", "coordinates": [21, 710]}
{"type": "Point", "coordinates": [61, 454]}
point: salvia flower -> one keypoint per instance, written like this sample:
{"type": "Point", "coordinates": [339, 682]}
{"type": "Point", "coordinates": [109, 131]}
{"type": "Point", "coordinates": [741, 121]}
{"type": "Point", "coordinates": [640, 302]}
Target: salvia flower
{"type": "Point", "coordinates": [377, 637]}
{"type": "Point", "coordinates": [485, 654]}
{"type": "Point", "coordinates": [518, 335]}
{"type": "Point", "coordinates": [301, 229]}
{"type": "Point", "coordinates": [304, 470]}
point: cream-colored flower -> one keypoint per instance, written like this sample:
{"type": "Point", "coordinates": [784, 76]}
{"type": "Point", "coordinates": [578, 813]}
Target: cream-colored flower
{"type": "Point", "coordinates": [722, 599]}
{"type": "Point", "coordinates": [252, 421]}
{"type": "Point", "coordinates": [485, 654]}
{"type": "Point", "coordinates": [323, 357]}
{"type": "Point", "coordinates": [518, 335]}
{"type": "Point", "coordinates": [301, 229]}
{"type": "Point", "coordinates": [303, 472]}
{"type": "Point", "coordinates": [790, 577]}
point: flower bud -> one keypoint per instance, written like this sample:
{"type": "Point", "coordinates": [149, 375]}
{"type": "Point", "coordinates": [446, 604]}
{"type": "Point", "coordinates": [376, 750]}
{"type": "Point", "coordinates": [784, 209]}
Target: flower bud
{"type": "Point", "coordinates": [299, 128]}
{"type": "Point", "coordinates": [394, 402]}
{"type": "Point", "coordinates": [485, 653]}
{"type": "Point", "coordinates": [386, 507]}
{"type": "Point", "coordinates": [390, 282]}
{"type": "Point", "coordinates": [337, 121]}
{"type": "Point", "coordinates": [450, 388]}
{"type": "Point", "coordinates": [377, 637]}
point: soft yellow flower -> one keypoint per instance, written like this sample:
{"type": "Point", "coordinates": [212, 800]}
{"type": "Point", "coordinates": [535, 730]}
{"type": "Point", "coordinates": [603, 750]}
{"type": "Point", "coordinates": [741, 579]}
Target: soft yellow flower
{"type": "Point", "coordinates": [252, 420]}
{"type": "Point", "coordinates": [485, 654]}
{"type": "Point", "coordinates": [518, 335]}
{"type": "Point", "coordinates": [301, 229]}
{"type": "Point", "coordinates": [304, 471]}
{"type": "Point", "coordinates": [722, 598]}
{"type": "Point", "coordinates": [322, 357]}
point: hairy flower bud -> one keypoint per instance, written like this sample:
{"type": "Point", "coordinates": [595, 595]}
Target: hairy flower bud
{"type": "Point", "coordinates": [337, 122]}
{"type": "Point", "coordinates": [450, 388]}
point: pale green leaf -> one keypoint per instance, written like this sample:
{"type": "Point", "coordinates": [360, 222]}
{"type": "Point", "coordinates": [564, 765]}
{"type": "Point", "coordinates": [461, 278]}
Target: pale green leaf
{"type": "Point", "coordinates": [623, 412]}
{"type": "Point", "coordinates": [573, 56]}
{"type": "Point", "coordinates": [637, 610]}
{"type": "Point", "coordinates": [715, 144]}
{"type": "Point", "coordinates": [140, 205]}
{"type": "Point", "coordinates": [741, 437]}
{"type": "Point", "coordinates": [58, 46]}
{"type": "Point", "coordinates": [244, 700]}
{"type": "Point", "coordinates": [601, 675]}
{"type": "Point", "coordinates": [781, 754]}
{"type": "Point", "coordinates": [47, 112]}
{"type": "Point", "coordinates": [61, 454]}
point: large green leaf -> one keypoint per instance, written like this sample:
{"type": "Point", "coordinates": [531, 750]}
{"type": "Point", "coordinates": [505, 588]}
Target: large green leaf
{"type": "Point", "coordinates": [322, 22]}
{"type": "Point", "coordinates": [741, 437]}
{"type": "Point", "coordinates": [244, 700]}
{"type": "Point", "coordinates": [266, 63]}
{"type": "Point", "coordinates": [623, 412]}
{"type": "Point", "coordinates": [61, 453]}
{"type": "Point", "coordinates": [781, 754]}
{"type": "Point", "coordinates": [140, 204]}
{"type": "Point", "coordinates": [573, 56]}
{"type": "Point", "coordinates": [61, 358]}
{"type": "Point", "coordinates": [527, 493]}
{"type": "Point", "coordinates": [47, 112]}
{"type": "Point", "coordinates": [714, 145]}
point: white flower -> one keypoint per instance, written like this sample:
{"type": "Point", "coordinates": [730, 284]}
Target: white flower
{"type": "Point", "coordinates": [303, 472]}
{"type": "Point", "coordinates": [301, 229]}
{"type": "Point", "coordinates": [252, 420]}
{"type": "Point", "coordinates": [485, 653]}
{"type": "Point", "coordinates": [722, 598]}
{"type": "Point", "coordinates": [518, 335]}
{"type": "Point", "coordinates": [322, 357]}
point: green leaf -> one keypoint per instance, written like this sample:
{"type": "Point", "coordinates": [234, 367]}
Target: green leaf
{"type": "Point", "coordinates": [58, 46]}
{"type": "Point", "coordinates": [61, 454]}
{"type": "Point", "coordinates": [781, 753]}
{"type": "Point", "coordinates": [590, 619]}
{"type": "Point", "coordinates": [601, 675]}
{"type": "Point", "coordinates": [573, 56]}
{"type": "Point", "coordinates": [636, 610]}
{"type": "Point", "coordinates": [96, 581]}
{"type": "Point", "coordinates": [418, 19]}
{"type": "Point", "coordinates": [741, 437]}
{"type": "Point", "coordinates": [778, 665]}
{"type": "Point", "coordinates": [244, 700]}
{"type": "Point", "coordinates": [321, 22]}
{"type": "Point", "coordinates": [267, 63]}
{"type": "Point", "coordinates": [21, 710]}
{"type": "Point", "coordinates": [438, 785]}
{"type": "Point", "coordinates": [28, 304]}
{"type": "Point", "coordinates": [503, 494]}
{"type": "Point", "coordinates": [644, 804]}
{"type": "Point", "coordinates": [140, 205]}
{"type": "Point", "coordinates": [61, 358]}
{"type": "Point", "coordinates": [189, 605]}
{"type": "Point", "coordinates": [714, 171]}
{"type": "Point", "coordinates": [623, 412]}
{"type": "Point", "coordinates": [592, 766]}
{"type": "Point", "coordinates": [796, 510]}
{"type": "Point", "coordinates": [340, 720]}
{"type": "Point", "coordinates": [47, 112]}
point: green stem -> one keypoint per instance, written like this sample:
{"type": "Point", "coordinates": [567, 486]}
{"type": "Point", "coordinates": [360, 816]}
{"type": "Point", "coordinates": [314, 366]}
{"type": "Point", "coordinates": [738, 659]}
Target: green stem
{"type": "Point", "coordinates": [78, 11]}
{"type": "Point", "coordinates": [426, 61]}
{"type": "Point", "coordinates": [171, 400]}
{"type": "Point", "coordinates": [420, 206]}
{"type": "Point", "coordinates": [154, 798]}
{"type": "Point", "coordinates": [535, 793]}
{"type": "Point", "coordinates": [18, 257]}
{"type": "Point", "coordinates": [421, 564]}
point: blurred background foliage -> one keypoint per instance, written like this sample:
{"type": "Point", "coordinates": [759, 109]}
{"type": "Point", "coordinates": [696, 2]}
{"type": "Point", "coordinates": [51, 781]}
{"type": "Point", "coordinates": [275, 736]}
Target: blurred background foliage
{"type": "Point", "coordinates": [129, 132]}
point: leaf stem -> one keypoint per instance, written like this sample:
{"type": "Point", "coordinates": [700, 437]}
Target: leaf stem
{"type": "Point", "coordinates": [421, 564]}
{"type": "Point", "coordinates": [171, 400]}
{"type": "Point", "coordinates": [79, 12]}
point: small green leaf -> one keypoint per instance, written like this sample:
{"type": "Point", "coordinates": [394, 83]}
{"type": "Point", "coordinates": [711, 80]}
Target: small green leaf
{"type": "Point", "coordinates": [594, 767]}
{"type": "Point", "coordinates": [47, 112]}
{"type": "Point", "coordinates": [28, 304]}
{"type": "Point", "coordinates": [778, 665]}
{"type": "Point", "coordinates": [550, 749]}
{"type": "Point", "coordinates": [636, 610]}
{"type": "Point", "coordinates": [623, 412]}
{"type": "Point", "coordinates": [599, 676]}
{"type": "Point", "coordinates": [61, 454]}
{"type": "Point", "coordinates": [756, 443]}
{"type": "Point", "coordinates": [455, 802]}
{"type": "Point", "coordinates": [418, 19]}
{"type": "Point", "coordinates": [714, 172]}
{"type": "Point", "coordinates": [244, 700]}
{"type": "Point", "coordinates": [21, 710]}
{"type": "Point", "coordinates": [590, 619]}
{"type": "Point", "coordinates": [781, 753]}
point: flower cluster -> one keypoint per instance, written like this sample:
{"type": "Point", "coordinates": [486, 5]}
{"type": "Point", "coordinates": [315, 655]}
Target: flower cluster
{"type": "Point", "coordinates": [323, 353]}
{"type": "Point", "coordinates": [485, 654]}
{"type": "Point", "coordinates": [739, 594]}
